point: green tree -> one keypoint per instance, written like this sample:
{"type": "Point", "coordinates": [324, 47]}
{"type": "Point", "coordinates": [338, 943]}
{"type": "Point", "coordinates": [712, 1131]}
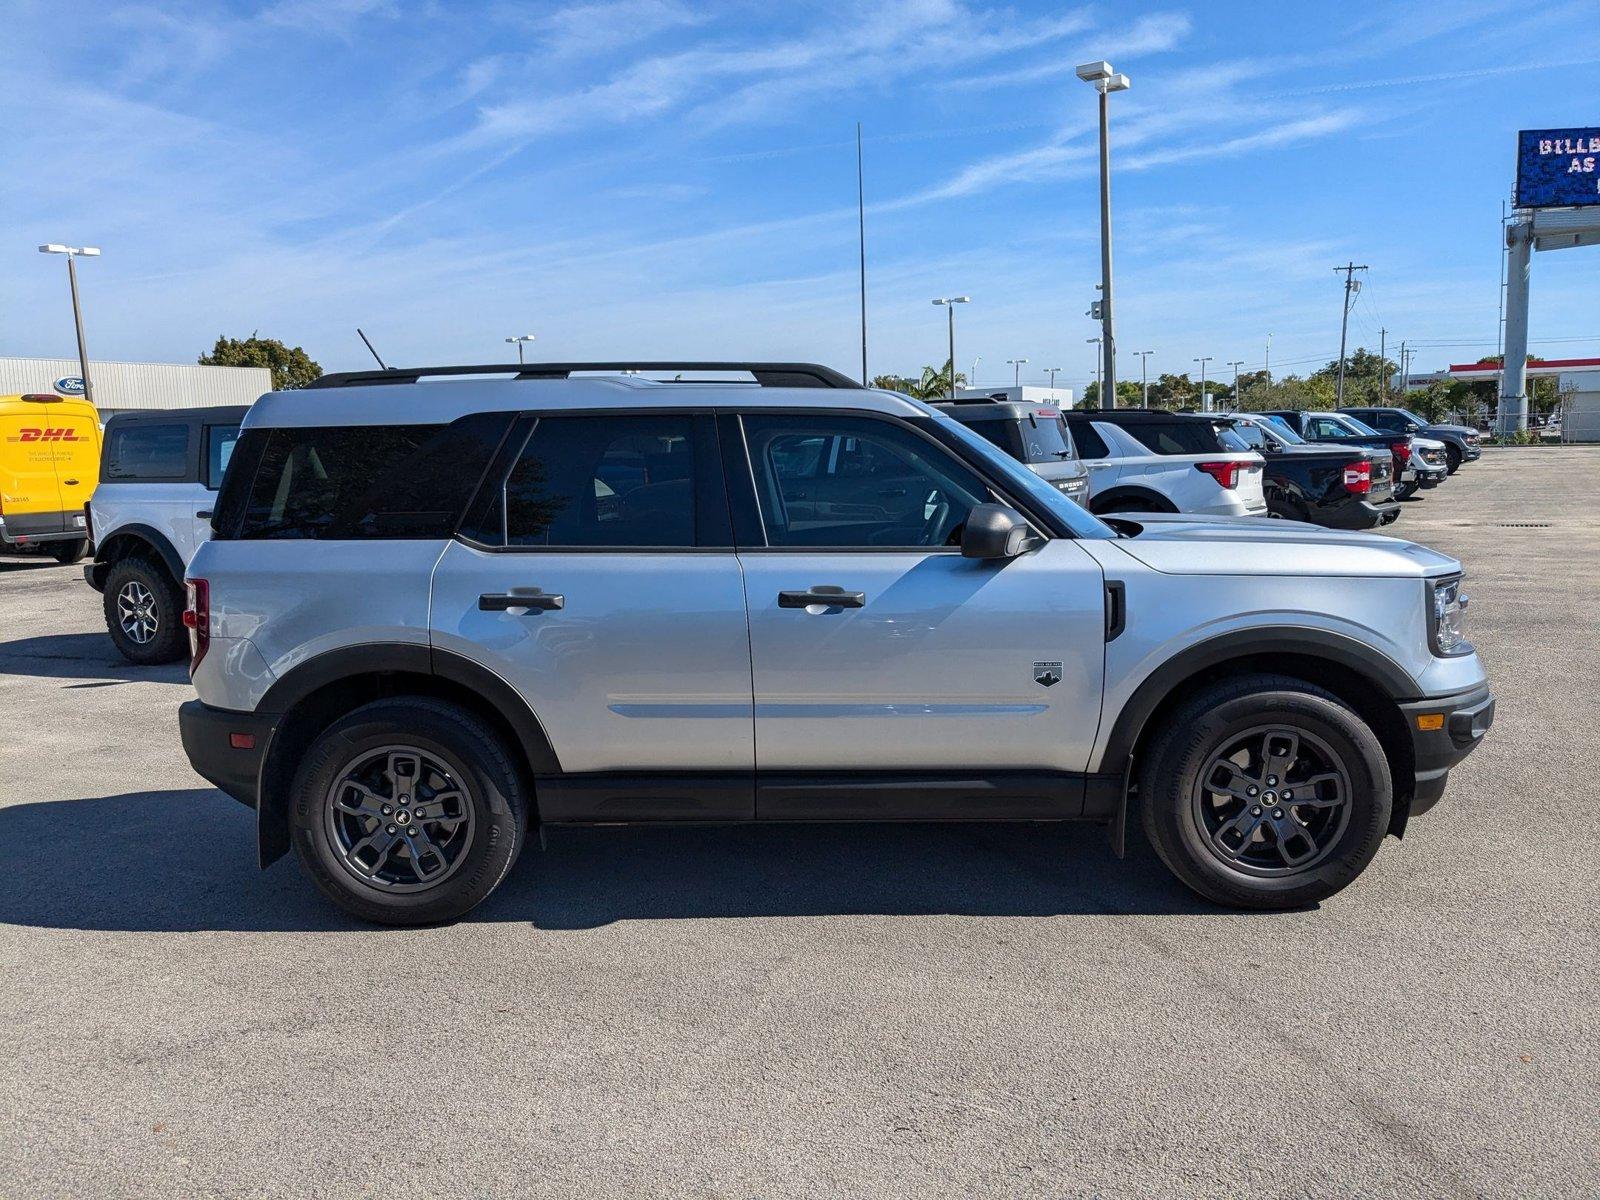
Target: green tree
{"type": "Point", "coordinates": [291, 368]}
{"type": "Point", "coordinates": [893, 383]}
{"type": "Point", "coordinates": [1364, 377]}
{"type": "Point", "coordinates": [1128, 395]}
{"type": "Point", "coordinates": [1289, 392]}
{"type": "Point", "coordinates": [933, 384]}
{"type": "Point", "coordinates": [1174, 391]}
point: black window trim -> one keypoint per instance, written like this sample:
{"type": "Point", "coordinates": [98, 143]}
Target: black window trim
{"type": "Point", "coordinates": [749, 529]}
{"type": "Point", "coordinates": [711, 505]}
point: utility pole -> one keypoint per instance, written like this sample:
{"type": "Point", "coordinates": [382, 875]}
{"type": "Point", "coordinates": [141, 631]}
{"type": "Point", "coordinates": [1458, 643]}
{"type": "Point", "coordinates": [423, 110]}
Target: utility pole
{"type": "Point", "coordinates": [861, 228]}
{"type": "Point", "coordinates": [1383, 367]}
{"type": "Point", "coordinates": [1144, 375]}
{"type": "Point", "coordinates": [1205, 405]}
{"type": "Point", "coordinates": [1268, 363]}
{"type": "Point", "coordinates": [1236, 366]}
{"type": "Point", "coordinates": [1405, 374]}
{"type": "Point", "coordinates": [1099, 377]}
{"type": "Point", "coordinates": [1352, 285]}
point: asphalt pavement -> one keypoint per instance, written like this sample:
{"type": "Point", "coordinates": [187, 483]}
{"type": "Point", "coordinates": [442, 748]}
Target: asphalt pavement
{"type": "Point", "coordinates": [863, 1011]}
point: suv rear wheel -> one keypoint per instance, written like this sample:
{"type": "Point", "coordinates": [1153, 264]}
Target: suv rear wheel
{"type": "Point", "coordinates": [144, 612]}
{"type": "Point", "coordinates": [1265, 792]}
{"type": "Point", "coordinates": [407, 811]}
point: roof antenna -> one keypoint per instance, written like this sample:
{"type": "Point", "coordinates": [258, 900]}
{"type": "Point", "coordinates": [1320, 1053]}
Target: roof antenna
{"type": "Point", "coordinates": [373, 352]}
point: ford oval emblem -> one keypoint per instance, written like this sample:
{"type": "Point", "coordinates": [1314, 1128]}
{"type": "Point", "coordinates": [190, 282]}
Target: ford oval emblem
{"type": "Point", "coordinates": [70, 385]}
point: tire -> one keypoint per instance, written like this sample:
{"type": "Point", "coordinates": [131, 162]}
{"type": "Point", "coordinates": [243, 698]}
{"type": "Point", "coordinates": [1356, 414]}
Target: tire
{"type": "Point", "coordinates": [341, 815]}
{"type": "Point", "coordinates": [1404, 491]}
{"type": "Point", "coordinates": [144, 612]}
{"type": "Point", "coordinates": [1287, 510]}
{"type": "Point", "coordinates": [1452, 458]}
{"type": "Point", "coordinates": [68, 553]}
{"type": "Point", "coordinates": [1202, 838]}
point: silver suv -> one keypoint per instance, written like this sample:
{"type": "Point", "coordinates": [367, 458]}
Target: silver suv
{"type": "Point", "coordinates": [438, 612]}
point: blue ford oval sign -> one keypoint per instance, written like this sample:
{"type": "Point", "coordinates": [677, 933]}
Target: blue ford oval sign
{"type": "Point", "coordinates": [69, 385]}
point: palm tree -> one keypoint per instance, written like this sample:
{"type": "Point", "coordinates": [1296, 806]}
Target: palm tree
{"type": "Point", "coordinates": [933, 385]}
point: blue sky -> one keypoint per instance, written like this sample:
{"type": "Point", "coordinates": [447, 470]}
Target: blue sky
{"type": "Point", "coordinates": [660, 178]}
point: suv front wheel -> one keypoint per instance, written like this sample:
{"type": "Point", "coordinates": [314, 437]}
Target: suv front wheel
{"type": "Point", "coordinates": [1265, 792]}
{"type": "Point", "coordinates": [407, 811]}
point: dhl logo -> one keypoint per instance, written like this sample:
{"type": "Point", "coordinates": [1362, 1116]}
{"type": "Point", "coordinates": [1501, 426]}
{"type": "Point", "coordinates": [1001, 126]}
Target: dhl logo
{"type": "Point", "coordinates": [30, 434]}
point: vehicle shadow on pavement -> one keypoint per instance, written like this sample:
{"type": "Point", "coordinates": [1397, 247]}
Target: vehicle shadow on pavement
{"type": "Point", "coordinates": [184, 861]}
{"type": "Point", "coordinates": [80, 656]}
{"type": "Point", "coordinates": [592, 877]}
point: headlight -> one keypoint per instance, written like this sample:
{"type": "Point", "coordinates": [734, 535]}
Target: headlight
{"type": "Point", "coordinates": [1447, 618]}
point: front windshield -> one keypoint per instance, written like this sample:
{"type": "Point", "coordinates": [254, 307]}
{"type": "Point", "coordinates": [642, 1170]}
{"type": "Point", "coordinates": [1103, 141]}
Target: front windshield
{"type": "Point", "coordinates": [1355, 426]}
{"type": "Point", "coordinates": [1025, 482]}
{"type": "Point", "coordinates": [1411, 416]}
{"type": "Point", "coordinates": [1286, 431]}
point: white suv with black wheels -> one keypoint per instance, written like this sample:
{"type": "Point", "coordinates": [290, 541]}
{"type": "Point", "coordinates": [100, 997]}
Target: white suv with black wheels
{"type": "Point", "coordinates": [438, 612]}
{"type": "Point", "coordinates": [159, 475]}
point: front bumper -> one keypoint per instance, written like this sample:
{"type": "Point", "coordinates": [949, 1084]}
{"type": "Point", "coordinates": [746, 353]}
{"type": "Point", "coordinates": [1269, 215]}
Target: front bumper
{"type": "Point", "coordinates": [1466, 717]}
{"type": "Point", "coordinates": [213, 739]}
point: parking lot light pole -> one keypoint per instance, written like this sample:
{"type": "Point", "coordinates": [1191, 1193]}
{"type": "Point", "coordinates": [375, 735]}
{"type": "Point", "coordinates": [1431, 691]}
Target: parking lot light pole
{"type": "Point", "coordinates": [72, 252]}
{"type": "Point", "coordinates": [1105, 81]}
{"type": "Point", "coordinates": [520, 341]}
{"type": "Point", "coordinates": [1099, 386]}
{"type": "Point", "coordinates": [1144, 375]}
{"type": "Point", "coordinates": [1053, 371]}
{"type": "Point", "coordinates": [1016, 370]}
{"type": "Point", "coordinates": [1236, 366]}
{"type": "Point", "coordinates": [1205, 405]}
{"type": "Point", "coordinates": [950, 303]}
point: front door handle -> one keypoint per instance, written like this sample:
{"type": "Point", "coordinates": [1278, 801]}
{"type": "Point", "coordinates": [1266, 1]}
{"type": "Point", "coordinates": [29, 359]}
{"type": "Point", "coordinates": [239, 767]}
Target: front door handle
{"type": "Point", "coordinates": [70, 482]}
{"type": "Point", "coordinates": [532, 598]}
{"type": "Point", "coordinates": [203, 515]}
{"type": "Point", "coordinates": [833, 597]}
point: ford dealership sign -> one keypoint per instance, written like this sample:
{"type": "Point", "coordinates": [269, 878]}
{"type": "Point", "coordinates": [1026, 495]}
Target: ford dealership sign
{"type": "Point", "coordinates": [69, 385]}
{"type": "Point", "coordinates": [1557, 168]}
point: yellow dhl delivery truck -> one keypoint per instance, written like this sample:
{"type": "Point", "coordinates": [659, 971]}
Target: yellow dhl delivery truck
{"type": "Point", "coordinates": [49, 464]}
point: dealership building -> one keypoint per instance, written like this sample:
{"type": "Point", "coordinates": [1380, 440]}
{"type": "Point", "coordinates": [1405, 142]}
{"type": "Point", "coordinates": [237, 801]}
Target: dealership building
{"type": "Point", "coordinates": [136, 386]}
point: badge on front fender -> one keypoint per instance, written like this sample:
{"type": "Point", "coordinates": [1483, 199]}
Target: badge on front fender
{"type": "Point", "coordinates": [1047, 674]}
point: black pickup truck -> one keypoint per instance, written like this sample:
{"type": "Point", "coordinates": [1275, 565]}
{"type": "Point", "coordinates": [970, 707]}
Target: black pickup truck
{"type": "Point", "coordinates": [1330, 427]}
{"type": "Point", "coordinates": [1341, 487]}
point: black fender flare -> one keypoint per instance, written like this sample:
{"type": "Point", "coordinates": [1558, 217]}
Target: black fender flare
{"type": "Point", "coordinates": [379, 658]}
{"type": "Point", "coordinates": [1106, 503]}
{"type": "Point", "coordinates": [150, 536]}
{"type": "Point", "coordinates": [1337, 648]}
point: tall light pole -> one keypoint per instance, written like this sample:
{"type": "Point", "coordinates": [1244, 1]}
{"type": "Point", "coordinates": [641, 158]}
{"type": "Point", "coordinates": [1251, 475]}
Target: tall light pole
{"type": "Point", "coordinates": [1205, 405]}
{"type": "Point", "coordinates": [1099, 386]}
{"type": "Point", "coordinates": [1268, 363]}
{"type": "Point", "coordinates": [520, 341]}
{"type": "Point", "coordinates": [1236, 366]}
{"type": "Point", "coordinates": [1016, 370]}
{"type": "Point", "coordinates": [73, 252]}
{"type": "Point", "coordinates": [1053, 371]}
{"type": "Point", "coordinates": [1105, 81]}
{"type": "Point", "coordinates": [1144, 375]}
{"type": "Point", "coordinates": [950, 303]}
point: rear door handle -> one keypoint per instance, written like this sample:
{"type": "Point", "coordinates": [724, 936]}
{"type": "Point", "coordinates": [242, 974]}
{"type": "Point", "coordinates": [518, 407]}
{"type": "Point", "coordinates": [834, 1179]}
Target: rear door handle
{"type": "Point", "coordinates": [833, 597]}
{"type": "Point", "coordinates": [532, 598]}
{"type": "Point", "coordinates": [203, 515]}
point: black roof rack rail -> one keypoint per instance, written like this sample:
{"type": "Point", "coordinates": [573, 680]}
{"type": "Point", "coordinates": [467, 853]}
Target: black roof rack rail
{"type": "Point", "coordinates": [766, 374]}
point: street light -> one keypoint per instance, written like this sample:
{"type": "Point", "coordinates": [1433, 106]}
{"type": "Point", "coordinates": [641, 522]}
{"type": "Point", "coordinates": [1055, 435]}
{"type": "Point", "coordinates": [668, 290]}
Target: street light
{"type": "Point", "coordinates": [73, 252]}
{"type": "Point", "coordinates": [1016, 370]}
{"type": "Point", "coordinates": [1205, 405]}
{"type": "Point", "coordinates": [950, 303]}
{"type": "Point", "coordinates": [1105, 81]}
{"type": "Point", "coordinates": [1144, 374]}
{"type": "Point", "coordinates": [1236, 366]}
{"type": "Point", "coordinates": [1052, 371]}
{"type": "Point", "coordinates": [1099, 387]}
{"type": "Point", "coordinates": [520, 342]}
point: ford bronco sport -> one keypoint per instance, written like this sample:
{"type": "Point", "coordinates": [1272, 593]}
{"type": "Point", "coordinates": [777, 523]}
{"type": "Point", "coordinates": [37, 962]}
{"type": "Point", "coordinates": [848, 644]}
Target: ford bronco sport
{"type": "Point", "coordinates": [439, 612]}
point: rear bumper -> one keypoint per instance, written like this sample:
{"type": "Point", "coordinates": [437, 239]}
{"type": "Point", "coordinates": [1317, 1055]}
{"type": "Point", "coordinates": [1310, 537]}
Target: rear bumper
{"type": "Point", "coordinates": [208, 739]}
{"type": "Point", "coordinates": [1467, 718]}
{"type": "Point", "coordinates": [1361, 514]}
{"type": "Point", "coordinates": [29, 529]}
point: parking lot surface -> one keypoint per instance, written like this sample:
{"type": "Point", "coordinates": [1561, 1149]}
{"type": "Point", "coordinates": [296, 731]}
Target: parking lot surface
{"type": "Point", "coordinates": [897, 1011]}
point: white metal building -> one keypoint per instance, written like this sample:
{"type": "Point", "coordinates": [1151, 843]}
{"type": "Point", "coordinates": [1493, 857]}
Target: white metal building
{"type": "Point", "coordinates": [134, 386]}
{"type": "Point", "coordinates": [1026, 394]}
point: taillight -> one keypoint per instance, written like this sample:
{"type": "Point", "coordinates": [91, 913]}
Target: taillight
{"type": "Point", "coordinates": [1225, 473]}
{"type": "Point", "coordinates": [1358, 478]}
{"type": "Point", "coordinates": [1402, 452]}
{"type": "Point", "coordinates": [197, 618]}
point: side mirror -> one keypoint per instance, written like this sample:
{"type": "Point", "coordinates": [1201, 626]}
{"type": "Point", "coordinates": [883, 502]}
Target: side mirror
{"type": "Point", "coordinates": [994, 531]}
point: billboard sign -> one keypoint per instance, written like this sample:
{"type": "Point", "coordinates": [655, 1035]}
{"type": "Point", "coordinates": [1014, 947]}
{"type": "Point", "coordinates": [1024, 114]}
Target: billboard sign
{"type": "Point", "coordinates": [1558, 168]}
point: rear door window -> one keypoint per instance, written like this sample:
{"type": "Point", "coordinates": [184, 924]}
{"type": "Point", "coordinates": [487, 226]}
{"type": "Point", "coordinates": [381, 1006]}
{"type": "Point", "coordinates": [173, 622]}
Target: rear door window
{"type": "Point", "coordinates": [137, 451]}
{"type": "Point", "coordinates": [1089, 442]}
{"type": "Point", "coordinates": [1176, 437]}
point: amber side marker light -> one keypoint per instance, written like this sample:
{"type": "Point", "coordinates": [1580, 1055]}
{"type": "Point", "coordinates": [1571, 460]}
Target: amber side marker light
{"type": "Point", "coordinates": [1429, 721]}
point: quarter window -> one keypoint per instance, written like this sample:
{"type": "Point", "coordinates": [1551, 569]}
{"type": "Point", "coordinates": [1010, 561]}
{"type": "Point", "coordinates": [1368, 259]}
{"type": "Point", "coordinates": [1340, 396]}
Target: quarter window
{"type": "Point", "coordinates": [1089, 442]}
{"type": "Point", "coordinates": [220, 440]}
{"type": "Point", "coordinates": [856, 482]}
{"type": "Point", "coordinates": [141, 451]}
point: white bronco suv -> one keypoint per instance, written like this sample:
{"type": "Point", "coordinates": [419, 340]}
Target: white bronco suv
{"type": "Point", "coordinates": [437, 612]}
